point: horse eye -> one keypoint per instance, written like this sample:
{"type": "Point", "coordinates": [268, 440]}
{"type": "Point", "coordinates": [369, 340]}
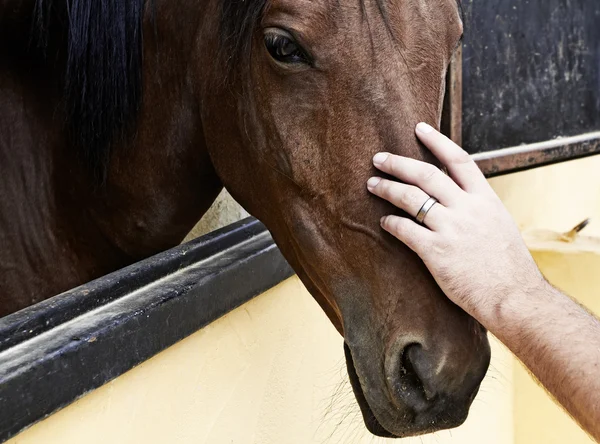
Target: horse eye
{"type": "Point", "coordinates": [284, 49]}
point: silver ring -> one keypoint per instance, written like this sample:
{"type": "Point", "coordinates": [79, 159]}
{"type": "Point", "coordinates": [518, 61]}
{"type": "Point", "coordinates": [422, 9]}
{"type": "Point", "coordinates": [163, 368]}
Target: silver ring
{"type": "Point", "coordinates": [428, 205]}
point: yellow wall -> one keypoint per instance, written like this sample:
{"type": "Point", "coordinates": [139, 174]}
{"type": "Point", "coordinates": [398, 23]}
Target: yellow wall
{"type": "Point", "coordinates": [555, 198]}
{"type": "Point", "coordinates": [574, 268]}
{"type": "Point", "coordinates": [271, 372]}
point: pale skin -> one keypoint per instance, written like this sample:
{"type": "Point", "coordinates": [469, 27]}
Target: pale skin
{"type": "Point", "coordinates": [475, 252]}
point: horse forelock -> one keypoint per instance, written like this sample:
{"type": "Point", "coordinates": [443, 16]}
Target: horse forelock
{"type": "Point", "coordinates": [238, 20]}
{"type": "Point", "coordinates": [102, 76]}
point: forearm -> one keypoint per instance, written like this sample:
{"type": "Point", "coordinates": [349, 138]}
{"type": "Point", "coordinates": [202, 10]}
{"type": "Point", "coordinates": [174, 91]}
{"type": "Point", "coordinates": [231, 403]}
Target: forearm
{"type": "Point", "coordinates": [559, 341]}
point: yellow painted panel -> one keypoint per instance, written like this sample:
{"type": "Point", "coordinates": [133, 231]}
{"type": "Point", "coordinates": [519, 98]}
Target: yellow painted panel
{"type": "Point", "coordinates": [575, 269]}
{"type": "Point", "coordinates": [556, 198]}
{"type": "Point", "coordinates": [271, 372]}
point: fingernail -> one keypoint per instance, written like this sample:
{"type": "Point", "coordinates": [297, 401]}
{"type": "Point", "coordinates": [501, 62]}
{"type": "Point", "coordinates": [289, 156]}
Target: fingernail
{"type": "Point", "coordinates": [379, 158]}
{"type": "Point", "coordinates": [382, 220]}
{"type": "Point", "coordinates": [424, 128]}
{"type": "Point", "coordinates": [372, 182]}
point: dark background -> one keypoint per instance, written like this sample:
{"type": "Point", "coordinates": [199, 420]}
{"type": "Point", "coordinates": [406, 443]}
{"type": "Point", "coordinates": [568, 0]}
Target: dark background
{"type": "Point", "coordinates": [531, 71]}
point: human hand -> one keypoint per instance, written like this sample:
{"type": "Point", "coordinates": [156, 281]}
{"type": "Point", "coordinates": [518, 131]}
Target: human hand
{"type": "Point", "coordinates": [468, 240]}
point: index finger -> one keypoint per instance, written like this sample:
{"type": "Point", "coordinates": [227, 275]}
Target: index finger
{"type": "Point", "coordinates": [461, 167]}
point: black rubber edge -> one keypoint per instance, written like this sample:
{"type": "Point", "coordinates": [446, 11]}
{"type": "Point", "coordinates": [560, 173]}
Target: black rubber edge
{"type": "Point", "coordinates": [56, 351]}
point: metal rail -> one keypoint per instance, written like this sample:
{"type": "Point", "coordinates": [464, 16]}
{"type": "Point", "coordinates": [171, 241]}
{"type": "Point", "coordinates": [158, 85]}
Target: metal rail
{"type": "Point", "coordinates": [524, 157]}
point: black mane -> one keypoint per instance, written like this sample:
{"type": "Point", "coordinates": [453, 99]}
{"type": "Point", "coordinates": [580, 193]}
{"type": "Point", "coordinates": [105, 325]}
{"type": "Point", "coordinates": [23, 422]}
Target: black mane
{"type": "Point", "coordinates": [102, 78]}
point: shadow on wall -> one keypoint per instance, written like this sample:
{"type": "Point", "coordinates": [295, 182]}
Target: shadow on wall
{"type": "Point", "coordinates": [224, 211]}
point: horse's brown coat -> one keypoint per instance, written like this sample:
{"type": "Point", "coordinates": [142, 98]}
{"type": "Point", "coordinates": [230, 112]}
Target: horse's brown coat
{"type": "Point", "coordinates": [294, 146]}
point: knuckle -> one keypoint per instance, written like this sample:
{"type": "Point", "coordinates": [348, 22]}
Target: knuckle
{"type": "Point", "coordinates": [414, 200]}
{"type": "Point", "coordinates": [411, 200]}
{"type": "Point", "coordinates": [438, 248]}
{"type": "Point", "coordinates": [462, 157]}
{"type": "Point", "coordinates": [396, 226]}
{"type": "Point", "coordinates": [428, 173]}
{"type": "Point", "coordinates": [385, 188]}
{"type": "Point", "coordinates": [393, 166]}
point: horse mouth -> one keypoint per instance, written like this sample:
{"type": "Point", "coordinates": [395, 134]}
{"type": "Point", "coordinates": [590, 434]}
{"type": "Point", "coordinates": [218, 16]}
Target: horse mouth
{"type": "Point", "coordinates": [371, 422]}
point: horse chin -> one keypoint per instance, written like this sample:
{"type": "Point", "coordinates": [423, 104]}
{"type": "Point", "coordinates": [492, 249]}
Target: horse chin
{"type": "Point", "coordinates": [371, 422]}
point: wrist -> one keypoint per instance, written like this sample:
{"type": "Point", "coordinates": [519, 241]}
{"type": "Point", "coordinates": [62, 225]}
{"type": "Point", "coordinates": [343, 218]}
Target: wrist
{"type": "Point", "coordinates": [510, 308]}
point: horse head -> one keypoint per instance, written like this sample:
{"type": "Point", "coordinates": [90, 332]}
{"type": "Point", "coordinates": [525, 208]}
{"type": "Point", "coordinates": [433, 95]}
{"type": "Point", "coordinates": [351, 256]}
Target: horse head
{"type": "Point", "coordinates": [312, 90]}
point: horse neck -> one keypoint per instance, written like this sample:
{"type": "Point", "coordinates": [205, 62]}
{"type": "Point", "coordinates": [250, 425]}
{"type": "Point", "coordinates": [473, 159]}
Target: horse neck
{"type": "Point", "coordinates": [162, 175]}
{"type": "Point", "coordinates": [57, 228]}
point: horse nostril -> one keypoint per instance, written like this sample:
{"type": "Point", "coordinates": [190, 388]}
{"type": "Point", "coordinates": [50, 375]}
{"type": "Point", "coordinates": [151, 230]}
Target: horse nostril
{"type": "Point", "coordinates": [410, 387]}
{"type": "Point", "coordinates": [426, 383]}
{"type": "Point", "coordinates": [430, 384]}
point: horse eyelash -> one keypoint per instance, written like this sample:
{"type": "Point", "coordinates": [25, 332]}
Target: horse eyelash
{"type": "Point", "coordinates": [272, 38]}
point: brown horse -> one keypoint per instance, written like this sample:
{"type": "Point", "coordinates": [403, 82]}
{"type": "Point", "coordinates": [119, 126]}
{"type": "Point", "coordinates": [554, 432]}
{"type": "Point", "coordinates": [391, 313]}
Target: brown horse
{"type": "Point", "coordinates": [112, 147]}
